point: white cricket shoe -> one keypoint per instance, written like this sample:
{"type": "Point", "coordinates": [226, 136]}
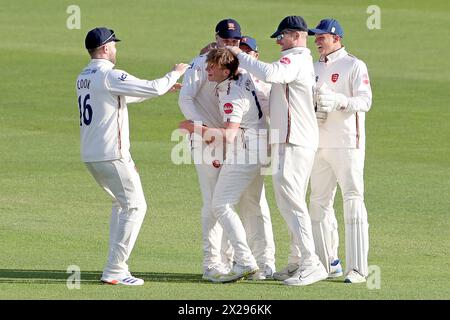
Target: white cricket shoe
{"type": "Point", "coordinates": [354, 276]}
{"type": "Point", "coordinates": [307, 275]}
{"type": "Point", "coordinates": [335, 269]}
{"type": "Point", "coordinates": [263, 273]}
{"type": "Point", "coordinates": [214, 272]}
{"type": "Point", "coordinates": [126, 280]}
{"type": "Point", "coordinates": [237, 272]}
{"type": "Point", "coordinates": [286, 273]}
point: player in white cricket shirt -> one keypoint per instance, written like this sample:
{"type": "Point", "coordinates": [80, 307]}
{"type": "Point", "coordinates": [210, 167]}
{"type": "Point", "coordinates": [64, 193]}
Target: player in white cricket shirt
{"type": "Point", "coordinates": [266, 259]}
{"type": "Point", "coordinates": [198, 102]}
{"type": "Point", "coordinates": [292, 117]}
{"type": "Point", "coordinates": [344, 96]}
{"type": "Point", "coordinates": [244, 134]}
{"type": "Point", "coordinates": [103, 93]}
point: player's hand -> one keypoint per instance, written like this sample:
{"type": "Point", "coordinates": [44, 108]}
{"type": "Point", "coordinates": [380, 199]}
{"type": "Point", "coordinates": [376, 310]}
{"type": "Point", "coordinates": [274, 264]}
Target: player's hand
{"type": "Point", "coordinates": [180, 68]}
{"type": "Point", "coordinates": [187, 125]}
{"type": "Point", "coordinates": [209, 47]}
{"type": "Point", "coordinates": [234, 50]}
{"type": "Point", "coordinates": [327, 100]}
{"type": "Point", "coordinates": [177, 86]}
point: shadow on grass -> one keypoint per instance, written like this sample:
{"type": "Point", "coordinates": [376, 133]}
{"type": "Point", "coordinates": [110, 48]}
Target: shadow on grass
{"type": "Point", "coordinates": [93, 277]}
{"type": "Point", "coordinates": [88, 277]}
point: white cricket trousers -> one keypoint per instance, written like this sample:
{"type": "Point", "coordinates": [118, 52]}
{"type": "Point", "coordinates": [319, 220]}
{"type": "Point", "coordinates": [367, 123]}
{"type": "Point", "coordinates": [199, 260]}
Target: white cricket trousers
{"type": "Point", "coordinates": [344, 167]}
{"type": "Point", "coordinates": [121, 181]}
{"type": "Point", "coordinates": [233, 181]}
{"type": "Point", "coordinates": [216, 247]}
{"type": "Point", "coordinates": [293, 166]}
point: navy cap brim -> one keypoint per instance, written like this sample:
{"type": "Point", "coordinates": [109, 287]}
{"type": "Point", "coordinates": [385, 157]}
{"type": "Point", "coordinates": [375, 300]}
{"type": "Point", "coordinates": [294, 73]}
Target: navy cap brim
{"type": "Point", "coordinates": [276, 34]}
{"type": "Point", "coordinates": [312, 32]}
{"type": "Point", "coordinates": [229, 35]}
{"type": "Point", "coordinates": [246, 44]}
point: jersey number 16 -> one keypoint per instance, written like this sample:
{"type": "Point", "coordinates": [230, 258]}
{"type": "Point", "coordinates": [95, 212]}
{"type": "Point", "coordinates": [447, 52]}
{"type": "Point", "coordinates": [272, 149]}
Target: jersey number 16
{"type": "Point", "coordinates": [85, 110]}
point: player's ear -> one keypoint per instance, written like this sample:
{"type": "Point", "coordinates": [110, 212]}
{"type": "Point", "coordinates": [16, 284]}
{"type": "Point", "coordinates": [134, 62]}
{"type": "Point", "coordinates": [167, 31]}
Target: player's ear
{"type": "Point", "coordinates": [106, 47]}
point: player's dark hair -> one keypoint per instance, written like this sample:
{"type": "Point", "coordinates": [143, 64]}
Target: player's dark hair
{"type": "Point", "coordinates": [222, 57]}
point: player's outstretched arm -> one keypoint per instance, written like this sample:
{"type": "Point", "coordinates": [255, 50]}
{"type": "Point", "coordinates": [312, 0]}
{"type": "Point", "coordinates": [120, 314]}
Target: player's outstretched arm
{"type": "Point", "coordinates": [121, 83]}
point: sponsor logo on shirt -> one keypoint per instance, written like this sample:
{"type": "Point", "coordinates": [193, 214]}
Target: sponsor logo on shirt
{"type": "Point", "coordinates": [123, 76]}
{"type": "Point", "coordinates": [335, 77]}
{"type": "Point", "coordinates": [228, 108]}
{"type": "Point", "coordinates": [248, 84]}
{"type": "Point", "coordinates": [285, 60]}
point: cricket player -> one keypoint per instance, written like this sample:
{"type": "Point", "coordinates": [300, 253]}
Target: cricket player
{"type": "Point", "coordinates": [244, 133]}
{"type": "Point", "coordinates": [103, 93]}
{"type": "Point", "coordinates": [198, 102]}
{"type": "Point", "coordinates": [293, 118]}
{"type": "Point", "coordinates": [344, 96]}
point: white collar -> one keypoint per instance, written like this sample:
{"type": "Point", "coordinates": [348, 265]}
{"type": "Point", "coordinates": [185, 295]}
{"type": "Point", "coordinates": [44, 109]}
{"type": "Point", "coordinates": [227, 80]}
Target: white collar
{"type": "Point", "coordinates": [102, 61]}
{"type": "Point", "coordinates": [336, 55]}
{"type": "Point", "coordinates": [295, 50]}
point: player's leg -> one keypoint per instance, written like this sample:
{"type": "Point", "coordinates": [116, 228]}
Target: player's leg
{"type": "Point", "coordinates": [120, 178]}
{"type": "Point", "coordinates": [233, 180]}
{"type": "Point", "coordinates": [255, 215]}
{"type": "Point", "coordinates": [290, 184]}
{"type": "Point", "coordinates": [114, 220]}
{"type": "Point", "coordinates": [323, 220]}
{"type": "Point", "coordinates": [208, 160]}
{"type": "Point", "coordinates": [349, 168]}
{"type": "Point", "coordinates": [212, 232]}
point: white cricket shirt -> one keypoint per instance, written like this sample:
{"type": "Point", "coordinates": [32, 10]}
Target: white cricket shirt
{"type": "Point", "coordinates": [239, 103]}
{"type": "Point", "coordinates": [103, 94]}
{"type": "Point", "coordinates": [292, 115]}
{"type": "Point", "coordinates": [345, 74]}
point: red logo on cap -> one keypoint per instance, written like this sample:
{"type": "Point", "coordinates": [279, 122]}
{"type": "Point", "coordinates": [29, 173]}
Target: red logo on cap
{"type": "Point", "coordinates": [216, 164]}
{"type": "Point", "coordinates": [231, 26]}
{"type": "Point", "coordinates": [285, 60]}
{"type": "Point", "coordinates": [228, 108]}
{"type": "Point", "coordinates": [334, 77]}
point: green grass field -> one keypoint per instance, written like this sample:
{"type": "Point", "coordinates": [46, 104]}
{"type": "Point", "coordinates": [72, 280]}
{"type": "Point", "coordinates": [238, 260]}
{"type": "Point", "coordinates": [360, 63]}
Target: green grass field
{"type": "Point", "coordinates": [53, 214]}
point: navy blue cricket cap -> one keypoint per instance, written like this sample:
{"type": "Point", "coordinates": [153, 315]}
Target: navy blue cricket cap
{"type": "Point", "coordinates": [98, 37]}
{"type": "Point", "coordinates": [228, 29]}
{"type": "Point", "coordinates": [331, 26]}
{"type": "Point", "coordinates": [291, 22]}
{"type": "Point", "coordinates": [250, 42]}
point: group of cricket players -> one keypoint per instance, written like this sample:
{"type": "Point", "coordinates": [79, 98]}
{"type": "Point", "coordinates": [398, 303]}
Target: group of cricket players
{"type": "Point", "coordinates": [301, 122]}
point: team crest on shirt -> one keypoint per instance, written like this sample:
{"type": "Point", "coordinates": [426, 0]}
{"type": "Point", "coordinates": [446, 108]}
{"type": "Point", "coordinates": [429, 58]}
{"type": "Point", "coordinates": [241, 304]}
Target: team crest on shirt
{"type": "Point", "coordinates": [365, 78]}
{"type": "Point", "coordinates": [335, 77]}
{"type": "Point", "coordinates": [285, 60]}
{"type": "Point", "coordinates": [228, 108]}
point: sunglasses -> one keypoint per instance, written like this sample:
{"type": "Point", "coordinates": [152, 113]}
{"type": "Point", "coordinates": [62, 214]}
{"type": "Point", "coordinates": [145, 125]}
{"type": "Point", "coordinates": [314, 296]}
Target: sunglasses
{"type": "Point", "coordinates": [280, 36]}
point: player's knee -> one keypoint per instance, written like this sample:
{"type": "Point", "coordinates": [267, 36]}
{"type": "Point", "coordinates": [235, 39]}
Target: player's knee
{"type": "Point", "coordinates": [355, 212]}
{"type": "Point", "coordinates": [317, 212]}
{"type": "Point", "coordinates": [220, 210]}
{"type": "Point", "coordinates": [353, 194]}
